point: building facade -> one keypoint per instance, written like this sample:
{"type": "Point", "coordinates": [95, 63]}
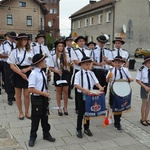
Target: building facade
{"type": "Point", "coordinates": [128, 19]}
{"type": "Point", "coordinates": [28, 16]}
{"type": "Point", "coordinates": [52, 18]}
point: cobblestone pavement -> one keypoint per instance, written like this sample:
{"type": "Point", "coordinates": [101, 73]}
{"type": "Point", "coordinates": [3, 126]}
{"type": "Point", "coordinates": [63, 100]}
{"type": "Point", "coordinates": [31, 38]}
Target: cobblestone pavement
{"type": "Point", "coordinates": [14, 133]}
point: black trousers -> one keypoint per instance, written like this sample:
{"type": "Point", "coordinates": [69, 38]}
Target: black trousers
{"type": "Point", "coordinates": [2, 71]}
{"type": "Point", "coordinates": [81, 111]}
{"type": "Point", "coordinates": [101, 76]}
{"type": "Point", "coordinates": [76, 96]}
{"type": "Point", "coordinates": [35, 124]}
{"type": "Point", "coordinates": [39, 113]}
{"type": "Point", "coordinates": [8, 83]}
{"type": "Point", "coordinates": [70, 86]}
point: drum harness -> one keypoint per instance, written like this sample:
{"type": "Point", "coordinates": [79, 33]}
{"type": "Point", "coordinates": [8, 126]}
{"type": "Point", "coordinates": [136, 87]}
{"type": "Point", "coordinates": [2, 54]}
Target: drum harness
{"type": "Point", "coordinates": [123, 72]}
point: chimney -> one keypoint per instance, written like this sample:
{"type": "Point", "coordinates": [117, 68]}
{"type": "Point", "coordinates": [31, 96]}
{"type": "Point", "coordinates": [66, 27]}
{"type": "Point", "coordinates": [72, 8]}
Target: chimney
{"type": "Point", "coordinates": [92, 1]}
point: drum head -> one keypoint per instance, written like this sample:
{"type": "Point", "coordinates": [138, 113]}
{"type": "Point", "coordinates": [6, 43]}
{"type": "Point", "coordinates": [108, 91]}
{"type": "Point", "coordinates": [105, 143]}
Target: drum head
{"type": "Point", "coordinates": [121, 89]}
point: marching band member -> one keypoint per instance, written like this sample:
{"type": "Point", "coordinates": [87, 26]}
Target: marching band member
{"type": "Point", "coordinates": [60, 67]}
{"type": "Point", "coordinates": [39, 100]}
{"type": "Point", "coordinates": [77, 55]}
{"type": "Point", "coordinates": [40, 48]}
{"type": "Point", "coordinates": [102, 58]}
{"type": "Point", "coordinates": [8, 46]}
{"type": "Point", "coordinates": [1, 62]}
{"type": "Point", "coordinates": [69, 48]}
{"type": "Point", "coordinates": [91, 45]}
{"type": "Point", "coordinates": [118, 72]}
{"type": "Point", "coordinates": [84, 82]}
{"type": "Point", "coordinates": [20, 60]}
{"type": "Point", "coordinates": [118, 51]}
{"type": "Point", "coordinates": [143, 79]}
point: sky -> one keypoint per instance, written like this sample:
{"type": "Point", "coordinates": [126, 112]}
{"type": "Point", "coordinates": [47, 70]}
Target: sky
{"type": "Point", "coordinates": [68, 7]}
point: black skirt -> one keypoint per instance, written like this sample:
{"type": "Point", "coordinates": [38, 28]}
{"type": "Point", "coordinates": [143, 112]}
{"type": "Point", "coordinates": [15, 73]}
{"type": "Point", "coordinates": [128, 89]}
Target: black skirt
{"type": "Point", "coordinates": [65, 76]}
{"type": "Point", "coordinates": [19, 82]}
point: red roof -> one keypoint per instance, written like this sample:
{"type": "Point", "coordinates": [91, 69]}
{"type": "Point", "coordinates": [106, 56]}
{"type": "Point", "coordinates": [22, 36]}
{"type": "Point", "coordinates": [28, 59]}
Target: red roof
{"type": "Point", "coordinates": [91, 7]}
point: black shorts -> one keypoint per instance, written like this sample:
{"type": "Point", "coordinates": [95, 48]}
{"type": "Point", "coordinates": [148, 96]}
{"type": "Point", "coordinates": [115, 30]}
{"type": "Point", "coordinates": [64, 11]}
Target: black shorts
{"type": "Point", "coordinates": [19, 82]}
{"type": "Point", "coordinates": [143, 92]}
{"type": "Point", "coordinates": [65, 76]}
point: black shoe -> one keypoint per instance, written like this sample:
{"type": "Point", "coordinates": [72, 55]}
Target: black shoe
{"type": "Point", "coordinates": [49, 138]}
{"type": "Point", "coordinates": [77, 111]}
{"type": "Point", "coordinates": [31, 143]}
{"type": "Point", "coordinates": [60, 113]}
{"type": "Point", "coordinates": [70, 97]}
{"type": "Point", "coordinates": [88, 132]}
{"type": "Point", "coordinates": [118, 126]}
{"type": "Point", "coordinates": [65, 112]}
{"type": "Point", "coordinates": [10, 103]}
{"type": "Point", "coordinates": [21, 118]}
{"type": "Point", "coordinates": [79, 134]}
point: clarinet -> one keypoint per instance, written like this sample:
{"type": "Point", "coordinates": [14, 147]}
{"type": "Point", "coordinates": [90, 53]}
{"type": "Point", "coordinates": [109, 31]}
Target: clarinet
{"type": "Point", "coordinates": [61, 64]}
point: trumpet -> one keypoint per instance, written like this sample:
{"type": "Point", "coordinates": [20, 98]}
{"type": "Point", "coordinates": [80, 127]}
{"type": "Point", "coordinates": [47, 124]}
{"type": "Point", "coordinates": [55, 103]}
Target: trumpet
{"type": "Point", "coordinates": [70, 64]}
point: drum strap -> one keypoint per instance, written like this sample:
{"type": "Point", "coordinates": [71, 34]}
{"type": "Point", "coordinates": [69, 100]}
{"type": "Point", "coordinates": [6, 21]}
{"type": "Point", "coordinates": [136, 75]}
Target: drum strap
{"type": "Point", "coordinates": [123, 72]}
{"type": "Point", "coordinates": [126, 76]}
{"type": "Point", "coordinates": [81, 77]}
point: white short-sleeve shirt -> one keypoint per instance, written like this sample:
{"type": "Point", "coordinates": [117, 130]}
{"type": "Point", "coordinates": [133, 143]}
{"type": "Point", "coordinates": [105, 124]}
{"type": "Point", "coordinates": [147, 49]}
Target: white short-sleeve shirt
{"type": "Point", "coordinates": [77, 55]}
{"type": "Point", "coordinates": [142, 74]}
{"type": "Point", "coordinates": [124, 71]}
{"type": "Point", "coordinates": [36, 79]}
{"type": "Point", "coordinates": [96, 56]}
{"type": "Point", "coordinates": [16, 56]}
{"type": "Point", "coordinates": [78, 79]}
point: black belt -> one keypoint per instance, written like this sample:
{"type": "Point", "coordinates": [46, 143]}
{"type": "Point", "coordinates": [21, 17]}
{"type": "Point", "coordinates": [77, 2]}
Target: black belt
{"type": "Point", "coordinates": [100, 69]}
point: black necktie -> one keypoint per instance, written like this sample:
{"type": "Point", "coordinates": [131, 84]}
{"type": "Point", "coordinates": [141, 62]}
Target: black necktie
{"type": "Point", "coordinates": [12, 47]}
{"type": "Point", "coordinates": [69, 51]}
{"type": "Point", "coordinates": [83, 53]}
{"type": "Point", "coordinates": [101, 55]}
{"type": "Point", "coordinates": [149, 76]}
{"type": "Point", "coordinates": [41, 50]}
{"type": "Point", "coordinates": [44, 82]}
{"type": "Point", "coordinates": [118, 53]}
{"type": "Point", "coordinates": [88, 79]}
{"type": "Point", "coordinates": [120, 74]}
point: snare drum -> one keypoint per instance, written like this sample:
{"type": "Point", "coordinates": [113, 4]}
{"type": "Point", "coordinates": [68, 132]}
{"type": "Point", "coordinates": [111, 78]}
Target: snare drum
{"type": "Point", "coordinates": [121, 96]}
{"type": "Point", "coordinates": [95, 104]}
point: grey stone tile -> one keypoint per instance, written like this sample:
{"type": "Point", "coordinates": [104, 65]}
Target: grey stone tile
{"type": "Point", "coordinates": [126, 140]}
{"type": "Point", "coordinates": [99, 145]}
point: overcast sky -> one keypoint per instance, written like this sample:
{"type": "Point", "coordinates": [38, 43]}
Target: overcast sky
{"type": "Point", "coordinates": [68, 7]}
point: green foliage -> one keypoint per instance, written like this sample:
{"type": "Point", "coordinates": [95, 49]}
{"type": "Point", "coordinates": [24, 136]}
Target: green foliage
{"type": "Point", "coordinates": [49, 41]}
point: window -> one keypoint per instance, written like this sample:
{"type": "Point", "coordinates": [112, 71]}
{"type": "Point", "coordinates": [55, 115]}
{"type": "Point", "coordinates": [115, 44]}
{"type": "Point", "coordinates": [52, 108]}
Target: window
{"type": "Point", "coordinates": [73, 26]}
{"type": "Point", "coordinates": [51, 11]}
{"type": "Point", "coordinates": [91, 38]}
{"type": "Point", "coordinates": [9, 19]}
{"type": "Point", "coordinates": [55, 11]}
{"type": "Point", "coordinates": [22, 4]}
{"type": "Point", "coordinates": [79, 24]}
{"type": "Point", "coordinates": [29, 20]}
{"type": "Point", "coordinates": [91, 21]}
{"type": "Point", "coordinates": [108, 15]}
{"type": "Point", "coordinates": [100, 18]}
{"type": "Point", "coordinates": [86, 22]}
